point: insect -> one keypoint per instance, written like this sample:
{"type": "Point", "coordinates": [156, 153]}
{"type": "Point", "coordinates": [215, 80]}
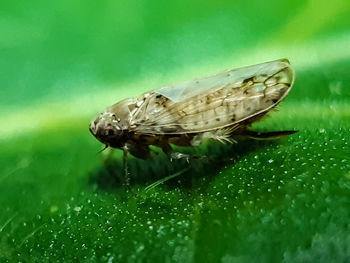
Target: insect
{"type": "Point", "coordinates": [217, 107]}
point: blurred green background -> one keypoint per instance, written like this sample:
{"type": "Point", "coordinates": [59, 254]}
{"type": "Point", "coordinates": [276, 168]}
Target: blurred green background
{"type": "Point", "coordinates": [62, 62]}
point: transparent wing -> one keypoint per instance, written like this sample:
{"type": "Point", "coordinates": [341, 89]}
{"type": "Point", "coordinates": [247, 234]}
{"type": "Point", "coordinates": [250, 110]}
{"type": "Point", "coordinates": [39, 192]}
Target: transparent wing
{"type": "Point", "coordinates": [181, 91]}
{"type": "Point", "coordinates": [214, 102]}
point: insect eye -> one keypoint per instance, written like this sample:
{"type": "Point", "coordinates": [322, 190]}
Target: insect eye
{"type": "Point", "coordinates": [115, 117]}
{"type": "Point", "coordinates": [110, 132]}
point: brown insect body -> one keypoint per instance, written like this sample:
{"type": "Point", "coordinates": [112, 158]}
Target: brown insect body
{"type": "Point", "coordinates": [218, 107]}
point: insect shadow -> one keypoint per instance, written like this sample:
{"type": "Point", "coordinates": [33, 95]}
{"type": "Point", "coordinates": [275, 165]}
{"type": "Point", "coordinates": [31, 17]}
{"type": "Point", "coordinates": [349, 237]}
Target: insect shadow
{"type": "Point", "coordinates": [202, 168]}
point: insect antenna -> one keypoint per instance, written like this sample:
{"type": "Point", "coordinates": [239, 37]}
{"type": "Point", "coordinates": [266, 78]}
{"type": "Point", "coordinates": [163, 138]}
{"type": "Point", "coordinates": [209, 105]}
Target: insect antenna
{"type": "Point", "coordinates": [106, 146]}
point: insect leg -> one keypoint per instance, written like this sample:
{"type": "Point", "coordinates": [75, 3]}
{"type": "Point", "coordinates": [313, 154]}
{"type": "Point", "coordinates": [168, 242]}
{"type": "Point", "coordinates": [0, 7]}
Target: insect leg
{"type": "Point", "coordinates": [125, 167]}
{"type": "Point", "coordinates": [108, 154]}
{"type": "Point", "coordinates": [184, 156]}
{"type": "Point", "coordinates": [163, 180]}
{"type": "Point", "coordinates": [188, 158]}
{"type": "Point", "coordinates": [267, 135]}
{"type": "Point", "coordinates": [166, 148]}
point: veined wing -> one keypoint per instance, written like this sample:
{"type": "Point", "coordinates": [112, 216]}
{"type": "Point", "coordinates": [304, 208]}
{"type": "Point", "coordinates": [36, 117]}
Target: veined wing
{"type": "Point", "coordinates": [214, 102]}
{"type": "Point", "coordinates": [179, 92]}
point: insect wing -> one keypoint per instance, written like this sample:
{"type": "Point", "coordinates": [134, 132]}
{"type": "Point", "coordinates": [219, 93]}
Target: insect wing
{"type": "Point", "coordinates": [188, 89]}
{"type": "Point", "coordinates": [217, 101]}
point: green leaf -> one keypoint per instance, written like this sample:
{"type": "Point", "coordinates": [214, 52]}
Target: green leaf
{"type": "Point", "coordinates": [254, 201]}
